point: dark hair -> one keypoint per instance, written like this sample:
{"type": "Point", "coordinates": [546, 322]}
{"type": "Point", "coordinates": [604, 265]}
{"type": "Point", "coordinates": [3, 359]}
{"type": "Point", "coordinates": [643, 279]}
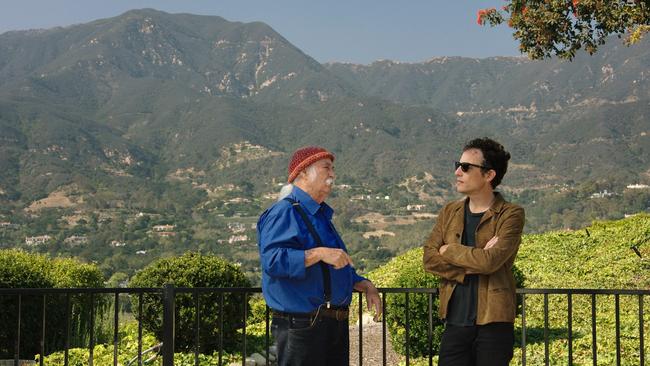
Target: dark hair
{"type": "Point", "coordinates": [495, 157]}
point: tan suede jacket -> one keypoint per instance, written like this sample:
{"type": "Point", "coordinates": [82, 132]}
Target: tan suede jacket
{"type": "Point", "coordinates": [496, 288]}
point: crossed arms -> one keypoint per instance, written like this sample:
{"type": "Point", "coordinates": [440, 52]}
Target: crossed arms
{"type": "Point", "coordinates": [452, 260]}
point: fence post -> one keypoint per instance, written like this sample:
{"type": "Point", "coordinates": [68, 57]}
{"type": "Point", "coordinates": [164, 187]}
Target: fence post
{"type": "Point", "coordinates": [169, 323]}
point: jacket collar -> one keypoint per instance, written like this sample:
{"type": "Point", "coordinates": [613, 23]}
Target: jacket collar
{"type": "Point", "coordinates": [496, 207]}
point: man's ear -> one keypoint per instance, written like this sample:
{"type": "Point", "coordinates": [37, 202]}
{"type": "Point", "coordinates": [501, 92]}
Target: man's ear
{"type": "Point", "coordinates": [302, 175]}
{"type": "Point", "coordinates": [491, 174]}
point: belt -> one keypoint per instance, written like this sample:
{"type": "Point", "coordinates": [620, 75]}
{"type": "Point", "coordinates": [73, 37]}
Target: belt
{"type": "Point", "coordinates": [334, 313]}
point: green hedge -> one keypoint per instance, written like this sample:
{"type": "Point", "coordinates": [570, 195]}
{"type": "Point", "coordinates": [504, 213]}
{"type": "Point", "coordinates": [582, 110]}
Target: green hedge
{"type": "Point", "coordinates": [406, 271]}
{"type": "Point", "coordinates": [19, 269]}
{"type": "Point", "coordinates": [127, 351]}
{"type": "Point", "coordinates": [194, 270]}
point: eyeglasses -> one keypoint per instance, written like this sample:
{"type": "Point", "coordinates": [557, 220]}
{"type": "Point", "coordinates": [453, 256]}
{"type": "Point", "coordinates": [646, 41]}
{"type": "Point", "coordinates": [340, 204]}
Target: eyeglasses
{"type": "Point", "coordinates": [465, 166]}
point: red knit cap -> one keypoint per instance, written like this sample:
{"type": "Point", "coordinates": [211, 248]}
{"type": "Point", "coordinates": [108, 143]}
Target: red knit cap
{"type": "Point", "coordinates": [304, 157]}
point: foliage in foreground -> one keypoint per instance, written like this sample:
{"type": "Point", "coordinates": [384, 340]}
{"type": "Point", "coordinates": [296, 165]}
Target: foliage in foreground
{"type": "Point", "coordinates": [128, 351]}
{"type": "Point", "coordinates": [599, 256]}
{"type": "Point", "coordinates": [596, 257]}
{"type": "Point", "coordinates": [406, 271]}
{"type": "Point", "coordinates": [194, 270]}
{"type": "Point", "coordinates": [561, 27]}
{"type": "Point", "coordinates": [19, 269]}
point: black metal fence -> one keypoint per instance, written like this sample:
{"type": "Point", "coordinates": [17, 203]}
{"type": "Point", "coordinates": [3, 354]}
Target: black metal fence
{"type": "Point", "coordinates": [169, 293]}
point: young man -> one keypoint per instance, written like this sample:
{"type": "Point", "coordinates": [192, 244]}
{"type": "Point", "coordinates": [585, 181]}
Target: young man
{"type": "Point", "coordinates": [472, 248]}
{"type": "Point", "coordinates": [307, 275]}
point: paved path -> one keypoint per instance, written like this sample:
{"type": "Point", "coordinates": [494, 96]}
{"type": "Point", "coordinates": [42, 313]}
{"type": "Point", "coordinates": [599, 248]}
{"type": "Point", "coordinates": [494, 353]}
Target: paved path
{"type": "Point", "coordinates": [372, 346]}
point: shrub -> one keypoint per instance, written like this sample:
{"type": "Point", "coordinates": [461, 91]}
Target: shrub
{"type": "Point", "coordinates": [406, 271]}
{"type": "Point", "coordinates": [19, 269]}
{"type": "Point", "coordinates": [128, 351]}
{"type": "Point", "coordinates": [194, 270]}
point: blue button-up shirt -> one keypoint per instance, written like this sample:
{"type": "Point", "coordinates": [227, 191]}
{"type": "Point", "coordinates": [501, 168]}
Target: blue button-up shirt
{"type": "Point", "coordinates": [283, 238]}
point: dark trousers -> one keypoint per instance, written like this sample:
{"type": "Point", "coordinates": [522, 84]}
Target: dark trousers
{"type": "Point", "coordinates": [479, 345]}
{"type": "Point", "coordinates": [321, 342]}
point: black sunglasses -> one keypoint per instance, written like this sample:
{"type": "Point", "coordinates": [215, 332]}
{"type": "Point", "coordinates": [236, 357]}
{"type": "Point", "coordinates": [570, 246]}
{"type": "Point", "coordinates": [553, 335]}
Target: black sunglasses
{"type": "Point", "coordinates": [465, 166]}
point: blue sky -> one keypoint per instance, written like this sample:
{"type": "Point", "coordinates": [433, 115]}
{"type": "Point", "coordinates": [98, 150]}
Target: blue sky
{"type": "Point", "coordinates": [359, 31]}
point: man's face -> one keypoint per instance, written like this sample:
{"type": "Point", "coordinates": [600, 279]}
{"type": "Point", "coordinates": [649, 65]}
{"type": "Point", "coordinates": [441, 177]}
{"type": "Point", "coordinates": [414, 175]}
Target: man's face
{"type": "Point", "coordinates": [320, 177]}
{"type": "Point", "coordinates": [474, 180]}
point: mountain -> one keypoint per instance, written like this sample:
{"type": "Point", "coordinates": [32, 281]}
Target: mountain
{"type": "Point", "coordinates": [114, 129]}
{"type": "Point", "coordinates": [589, 115]}
{"type": "Point", "coordinates": [617, 74]}
{"type": "Point", "coordinates": [149, 88]}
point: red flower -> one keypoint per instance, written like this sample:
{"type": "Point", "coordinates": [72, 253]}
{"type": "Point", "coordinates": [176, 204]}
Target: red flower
{"type": "Point", "coordinates": [480, 15]}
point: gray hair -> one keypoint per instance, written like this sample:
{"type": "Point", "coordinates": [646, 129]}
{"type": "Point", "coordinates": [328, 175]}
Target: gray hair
{"type": "Point", "coordinates": [285, 191]}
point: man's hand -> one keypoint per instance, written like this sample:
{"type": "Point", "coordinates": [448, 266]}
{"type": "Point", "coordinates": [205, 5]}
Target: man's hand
{"type": "Point", "coordinates": [373, 300]}
{"type": "Point", "coordinates": [492, 242]}
{"type": "Point", "coordinates": [338, 258]}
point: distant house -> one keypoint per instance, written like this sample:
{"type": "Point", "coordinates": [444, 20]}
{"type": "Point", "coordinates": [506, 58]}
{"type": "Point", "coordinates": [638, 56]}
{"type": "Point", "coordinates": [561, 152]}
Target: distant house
{"type": "Point", "coordinates": [76, 240]}
{"type": "Point", "coordinates": [141, 252]}
{"type": "Point", "coordinates": [602, 194]}
{"type": "Point", "coordinates": [117, 244]}
{"type": "Point", "coordinates": [159, 228]}
{"type": "Point", "coordinates": [166, 234]}
{"type": "Point", "coordinates": [8, 225]}
{"type": "Point", "coordinates": [237, 200]}
{"type": "Point", "coordinates": [415, 207]}
{"type": "Point", "coordinates": [237, 238]}
{"type": "Point", "coordinates": [638, 186]}
{"type": "Point", "coordinates": [236, 227]}
{"type": "Point", "coordinates": [37, 240]}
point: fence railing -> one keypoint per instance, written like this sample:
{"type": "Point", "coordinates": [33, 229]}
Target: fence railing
{"type": "Point", "coordinates": [169, 295]}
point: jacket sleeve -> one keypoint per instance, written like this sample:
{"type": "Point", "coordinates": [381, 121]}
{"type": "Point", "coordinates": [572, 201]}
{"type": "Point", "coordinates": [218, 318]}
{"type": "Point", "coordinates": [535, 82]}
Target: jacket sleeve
{"type": "Point", "coordinates": [281, 253]}
{"type": "Point", "coordinates": [486, 261]}
{"type": "Point", "coordinates": [433, 261]}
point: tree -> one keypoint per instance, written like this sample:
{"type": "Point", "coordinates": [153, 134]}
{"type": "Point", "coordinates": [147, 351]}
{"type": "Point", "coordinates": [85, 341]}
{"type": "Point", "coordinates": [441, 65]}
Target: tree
{"type": "Point", "coordinates": [19, 269]}
{"type": "Point", "coordinates": [194, 270]}
{"type": "Point", "coordinates": [561, 27]}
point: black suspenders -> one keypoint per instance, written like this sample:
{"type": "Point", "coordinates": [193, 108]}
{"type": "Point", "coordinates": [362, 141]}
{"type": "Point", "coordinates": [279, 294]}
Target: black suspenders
{"type": "Point", "coordinates": [327, 281]}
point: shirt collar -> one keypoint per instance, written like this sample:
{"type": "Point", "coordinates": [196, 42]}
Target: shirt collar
{"type": "Point", "coordinates": [308, 203]}
{"type": "Point", "coordinates": [496, 206]}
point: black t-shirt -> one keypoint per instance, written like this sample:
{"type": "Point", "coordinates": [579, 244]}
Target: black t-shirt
{"type": "Point", "coordinates": [461, 310]}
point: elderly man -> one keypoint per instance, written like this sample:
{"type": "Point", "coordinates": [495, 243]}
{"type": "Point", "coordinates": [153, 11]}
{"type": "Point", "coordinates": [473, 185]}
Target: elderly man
{"type": "Point", "coordinates": [307, 275]}
{"type": "Point", "coordinates": [472, 248]}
